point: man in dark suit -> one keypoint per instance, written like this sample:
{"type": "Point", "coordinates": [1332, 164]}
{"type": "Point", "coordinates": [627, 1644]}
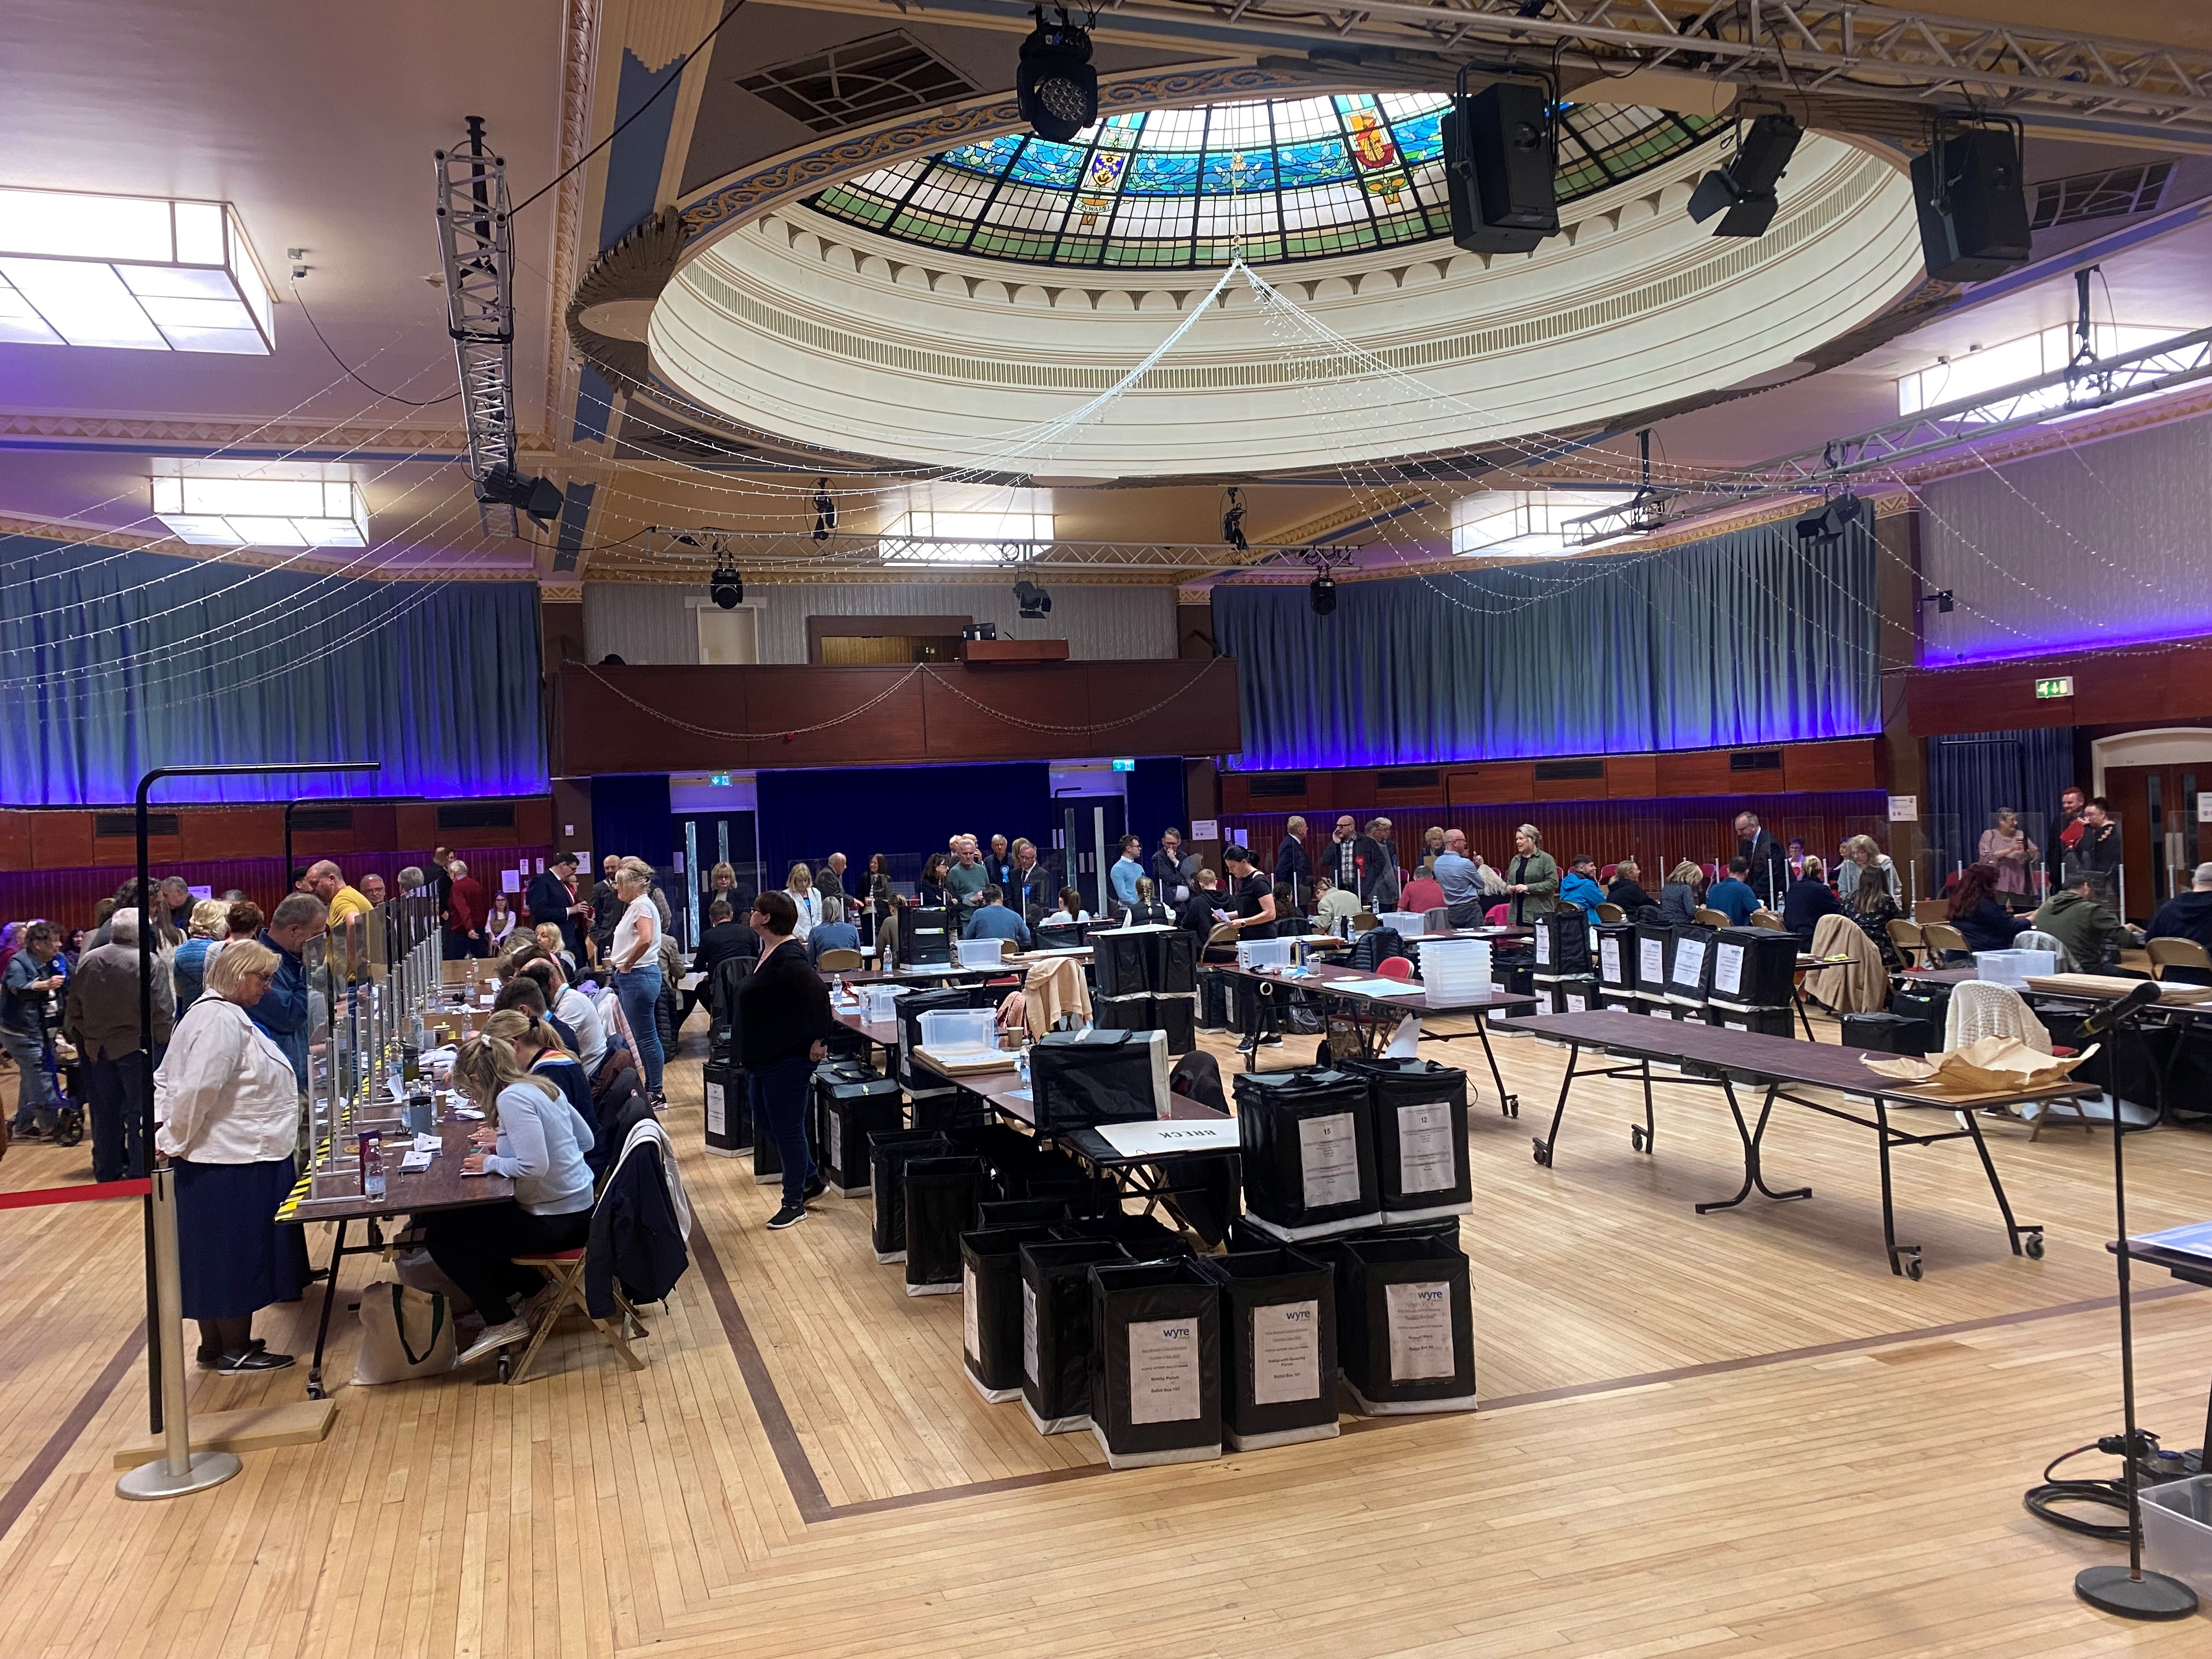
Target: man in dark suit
{"type": "Point", "coordinates": [1293, 865]}
{"type": "Point", "coordinates": [552, 898]}
{"type": "Point", "coordinates": [1030, 889]}
{"type": "Point", "coordinates": [1355, 862]}
{"type": "Point", "coordinates": [1770, 865]}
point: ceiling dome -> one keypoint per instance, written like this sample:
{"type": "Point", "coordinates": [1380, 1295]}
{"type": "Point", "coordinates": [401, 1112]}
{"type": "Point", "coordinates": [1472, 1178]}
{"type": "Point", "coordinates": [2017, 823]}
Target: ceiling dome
{"type": "Point", "coordinates": [1279, 180]}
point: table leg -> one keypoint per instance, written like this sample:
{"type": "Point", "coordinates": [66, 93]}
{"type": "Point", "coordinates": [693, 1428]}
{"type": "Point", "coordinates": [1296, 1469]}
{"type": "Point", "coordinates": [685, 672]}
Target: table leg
{"type": "Point", "coordinates": [1798, 996]}
{"type": "Point", "coordinates": [1904, 1258]}
{"type": "Point", "coordinates": [1544, 1146]}
{"type": "Point", "coordinates": [323, 1325]}
{"type": "Point", "coordinates": [1753, 1138]}
{"type": "Point", "coordinates": [1645, 1140]}
{"type": "Point", "coordinates": [2027, 1239]}
{"type": "Point", "coordinates": [1508, 1103]}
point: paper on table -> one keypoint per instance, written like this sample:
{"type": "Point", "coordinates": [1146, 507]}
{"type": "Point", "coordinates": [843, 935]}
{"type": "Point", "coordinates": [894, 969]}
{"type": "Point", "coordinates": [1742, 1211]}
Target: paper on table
{"type": "Point", "coordinates": [1152, 1138]}
{"type": "Point", "coordinates": [2195, 1239]}
{"type": "Point", "coordinates": [429, 1143]}
{"type": "Point", "coordinates": [1728, 969]}
{"type": "Point", "coordinates": [1420, 1331]}
{"type": "Point", "coordinates": [1425, 1164]}
{"type": "Point", "coordinates": [1328, 1157]}
{"type": "Point", "coordinates": [1163, 1373]}
{"type": "Point", "coordinates": [1375, 988]}
{"type": "Point", "coordinates": [1285, 1352]}
{"type": "Point", "coordinates": [415, 1160]}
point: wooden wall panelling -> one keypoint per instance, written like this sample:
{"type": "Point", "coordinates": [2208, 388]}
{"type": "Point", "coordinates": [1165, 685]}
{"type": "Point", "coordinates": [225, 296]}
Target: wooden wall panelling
{"type": "Point", "coordinates": [784, 700]}
{"type": "Point", "coordinates": [533, 820]}
{"type": "Point", "coordinates": [1705, 772]}
{"type": "Point", "coordinates": [417, 825]}
{"type": "Point", "coordinates": [1493, 780]}
{"type": "Point", "coordinates": [1407, 786]}
{"type": "Point", "coordinates": [1845, 763]}
{"type": "Point", "coordinates": [1576, 788]}
{"type": "Point", "coordinates": [121, 852]}
{"type": "Point", "coordinates": [959, 722]}
{"type": "Point", "coordinates": [1194, 632]}
{"type": "Point", "coordinates": [232, 832]}
{"type": "Point", "coordinates": [572, 814]}
{"type": "Point", "coordinates": [1202, 713]}
{"type": "Point", "coordinates": [2142, 686]}
{"type": "Point", "coordinates": [15, 840]}
{"type": "Point", "coordinates": [1631, 777]}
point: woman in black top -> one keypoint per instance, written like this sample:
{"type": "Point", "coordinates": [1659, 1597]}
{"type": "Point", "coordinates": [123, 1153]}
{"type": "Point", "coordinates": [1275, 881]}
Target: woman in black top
{"type": "Point", "coordinates": [1976, 911]}
{"type": "Point", "coordinates": [1626, 891]}
{"type": "Point", "coordinates": [930, 892]}
{"type": "Point", "coordinates": [1808, 899]}
{"type": "Point", "coordinates": [1147, 911]}
{"type": "Point", "coordinates": [1253, 896]}
{"type": "Point", "coordinates": [1871, 906]}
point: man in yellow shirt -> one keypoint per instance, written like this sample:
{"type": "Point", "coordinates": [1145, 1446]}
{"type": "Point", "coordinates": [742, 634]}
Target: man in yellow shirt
{"type": "Point", "coordinates": [349, 913]}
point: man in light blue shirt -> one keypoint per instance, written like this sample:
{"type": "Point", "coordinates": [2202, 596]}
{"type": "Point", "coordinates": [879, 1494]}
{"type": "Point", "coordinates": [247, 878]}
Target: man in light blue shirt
{"type": "Point", "coordinates": [1456, 873]}
{"type": "Point", "coordinates": [1732, 894]}
{"type": "Point", "coordinates": [1127, 869]}
{"type": "Point", "coordinates": [993, 919]}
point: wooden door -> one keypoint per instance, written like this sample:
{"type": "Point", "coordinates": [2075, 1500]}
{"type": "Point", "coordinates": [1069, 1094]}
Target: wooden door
{"type": "Point", "coordinates": [2159, 832]}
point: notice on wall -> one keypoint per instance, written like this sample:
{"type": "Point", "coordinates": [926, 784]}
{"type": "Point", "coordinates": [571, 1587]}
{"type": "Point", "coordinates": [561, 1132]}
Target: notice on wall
{"type": "Point", "coordinates": [509, 882]}
{"type": "Point", "coordinates": [1651, 962]}
{"type": "Point", "coordinates": [1905, 809]}
{"type": "Point", "coordinates": [1285, 1352]}
{"type": "Point", "coordinates": [1728, 969]}
{"type": "Point", "coordinates": [1425, 1164]}
{"type": "Point", "coordinates": [1328, 1157]}
{"type": "Point", "coordinates": [1205, 830]}
{"type": "Point", "coordinates": [1689, 961]}
{"type": "Point", "coordinates": [1028, 1331]}
{"type": "Point", "coordinates": [717, 1118]}
{"type": "Point", "coordinates": [1608, 959]}
{"type": "Point", "coordinates": [971, 1336]}
{"type": "Point", "coordinates": [1420, 1332]}
{"type": "Point", "coordinates": [1163, 1373]}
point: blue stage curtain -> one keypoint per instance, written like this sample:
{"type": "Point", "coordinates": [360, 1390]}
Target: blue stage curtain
{"type": "Point", "coordinates": [1751, 637]}
{"type": "Point", "coordinates": [806, 815]}
{"type": "Point", "coordinates": [631, 819]}
{"type": "Point", "coordinates": [114, 663]}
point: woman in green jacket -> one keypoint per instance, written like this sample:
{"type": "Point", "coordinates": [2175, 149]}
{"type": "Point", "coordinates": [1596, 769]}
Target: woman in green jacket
{"type": "Point", "coordinates": [1531, 877]}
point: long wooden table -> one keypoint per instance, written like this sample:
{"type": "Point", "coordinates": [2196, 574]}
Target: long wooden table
{"type": "Point", "coordinates": [1370, 1012]}
{"type": "Point", "coordinates": [1779, 1065]}
{"type": "Point", "coordinates": [406, 1192]}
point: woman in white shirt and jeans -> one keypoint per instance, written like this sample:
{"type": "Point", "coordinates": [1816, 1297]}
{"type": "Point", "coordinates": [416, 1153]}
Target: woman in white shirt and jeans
{"type": "Point", "coordinates": [635, 956]}
{"type": "Point", "coordinates": [530, 1137]}
{"type": "Point", "coordinates": [806, 898]}
{"type": "Point", "coordinates": [227, 1109]}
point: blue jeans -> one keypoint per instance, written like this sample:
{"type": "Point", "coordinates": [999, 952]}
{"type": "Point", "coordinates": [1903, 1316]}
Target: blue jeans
{"type": "Point", "coordinates": [639, 992]}
{"type": "Point", "coordinates": [34, 1102]}
{"type": "Point", "coordinates": [118, 1116]}
{"type": "Point", "coordinates": [779, 1091]}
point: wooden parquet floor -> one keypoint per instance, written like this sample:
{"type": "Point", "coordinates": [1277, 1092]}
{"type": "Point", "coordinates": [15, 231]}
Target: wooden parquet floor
{"type": "Point", "coordinates": [1736, 1434]}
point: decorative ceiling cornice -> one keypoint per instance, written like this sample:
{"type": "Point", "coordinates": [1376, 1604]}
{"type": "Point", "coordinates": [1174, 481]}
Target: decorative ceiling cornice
{"type": "Point", "coordinates": [580, 32]}
{"type": "Point", "coordinates": [154, 433]}
{"type": "Point", "coordinates": [342, 561]}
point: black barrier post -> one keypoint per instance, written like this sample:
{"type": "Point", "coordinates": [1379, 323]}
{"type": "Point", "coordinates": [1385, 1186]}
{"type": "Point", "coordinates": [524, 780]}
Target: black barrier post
{"type": "Point", "coordinates": [149, 919]}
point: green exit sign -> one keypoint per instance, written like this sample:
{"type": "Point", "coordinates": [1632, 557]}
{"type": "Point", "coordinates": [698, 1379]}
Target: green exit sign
{"type": "Point", "coordinates": [2060, 685]}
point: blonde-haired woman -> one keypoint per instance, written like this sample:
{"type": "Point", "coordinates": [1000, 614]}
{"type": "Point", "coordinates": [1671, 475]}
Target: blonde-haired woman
{"type": "Point", "coordinates": [227, 1108]}
{"type": "Point", "coordinates": [527, 1137]}
{"type": "Point", "coordinates": [1532, 877]}
{"type": "Point", "coordinates": [208, 925]}
{"type": "Point", "coordinates": [634, 956]}
{"type": "Point", "coordinates": [807, 899]}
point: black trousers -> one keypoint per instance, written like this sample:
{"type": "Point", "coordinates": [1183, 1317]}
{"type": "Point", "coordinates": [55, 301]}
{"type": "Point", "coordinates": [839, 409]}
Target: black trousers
{"type": "Point", "coordinates": [472, 1247]}
{"type": "Point", "coordinates": [118, 1116]}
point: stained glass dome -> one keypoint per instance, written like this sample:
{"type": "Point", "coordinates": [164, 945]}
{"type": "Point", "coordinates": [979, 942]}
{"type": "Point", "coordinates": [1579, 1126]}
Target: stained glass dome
{"type": "Point", "coordinates": [1281, 178]}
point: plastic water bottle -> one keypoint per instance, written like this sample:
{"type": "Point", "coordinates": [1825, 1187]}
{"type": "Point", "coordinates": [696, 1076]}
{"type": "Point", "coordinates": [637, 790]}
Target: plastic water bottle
{"type": "Point", "coordinates": [372, 1165]}
{"type": "Point", "coordinates": [837, 989]}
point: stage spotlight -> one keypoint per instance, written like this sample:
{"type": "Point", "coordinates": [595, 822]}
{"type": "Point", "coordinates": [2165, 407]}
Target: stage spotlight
{"type": "Point", "coordinates": [825, 510]}
{"type": "Point", "coordinates": [1232, 522]}
{"type": "Point", "coordinates": [505, 487]}
{"type": "Point", "coordinates": [1834, 518]}
{"type": "Point", "coordinates": [1743, 190]}
{"type": "Point", "coordinates": [1323, 591]}
{"type": "Point", "coordinates": [1056, 89]}
{"type": "Point", "coordinates": [727, 587]}
{"type": "Point", "coordinates": [1036, 602]}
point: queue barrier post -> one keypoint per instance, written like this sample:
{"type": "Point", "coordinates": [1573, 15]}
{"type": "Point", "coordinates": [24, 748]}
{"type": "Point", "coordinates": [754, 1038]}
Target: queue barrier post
{"type": "Point", "coordinates": [178, 1470]}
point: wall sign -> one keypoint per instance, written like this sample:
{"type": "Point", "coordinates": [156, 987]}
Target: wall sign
{"type": "Point", "coordinates": [2057, 685]}
{"type": "Point", "coordinates": [1905, 809]}
{"type": "Point", "coordinates": [1205, 830]}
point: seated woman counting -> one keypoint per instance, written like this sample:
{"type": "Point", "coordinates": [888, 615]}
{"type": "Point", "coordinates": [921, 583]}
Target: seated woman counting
{"type": "Point", "coordinates": [227, 1108]}
{"type": "Point", "coordinates": [1071, 909]}
{"type": "Point", "coordinates": [529, 1136]}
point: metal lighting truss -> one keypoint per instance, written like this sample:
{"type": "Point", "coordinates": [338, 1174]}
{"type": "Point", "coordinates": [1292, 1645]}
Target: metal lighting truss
{"type": "Point", "coordinates": [2087, 385]}
{"type": "Point", "coordinates": [474, 243]}
{"type": "Point", "coordinates": [797, 552]}
{"type": "Point", "coordinates": [2060, 77]}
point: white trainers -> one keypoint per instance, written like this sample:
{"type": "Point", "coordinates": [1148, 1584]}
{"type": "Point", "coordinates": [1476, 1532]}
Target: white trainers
{"type": "Point", "coordinates": [495, 1338]}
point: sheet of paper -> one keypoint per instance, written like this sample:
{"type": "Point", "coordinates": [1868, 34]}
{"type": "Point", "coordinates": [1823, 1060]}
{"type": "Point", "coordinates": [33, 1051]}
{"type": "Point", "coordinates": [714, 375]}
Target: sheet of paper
{"type": "Point", "coordinates": [2195, 1239]}
{"type": "Point", "coordinates": [970, 1320]}
{"type": "Point", "coordinates": [1328, 1159]}
{"type": "Point", "coordinates": [1405, 1041]}
{"type": "Point", "coordinates": [1651, 962]}
{"type": "Point", "coordinates": [1374, 988]}
{"type": "Point", "coordinates": [1285, 1352]}
{"type": "Point", "coordinates": [1728, 969]}
{"type": "Point", "coordinates": [1420, 1332]}
{"type": "Point", "coordinates": [1164, 1372]}
{"type": "Point", "coordinates": [429, 1143]}
{"type": "Point", "coordinates": [1577, 1004]}
{"type": "Point", "coordinates": [1543, 947]}
{"type": "Point", "coordinates": [717, 1117]}
{"type": "Point", "coordinates": [1151, 1138]}
{"type": "Point", "coordinates": [1029, 1331]}
{"type": "Point", "coordinates": [510, 881]}
{"type": "Point", "coordinates": [1608, 958]}
{"type": "Point", "coordinates": [1689, 961]}
{"type": "Point", "coordinates": [1426, 1160]}
{"type": "Point", "coordinates": [415, 1160]}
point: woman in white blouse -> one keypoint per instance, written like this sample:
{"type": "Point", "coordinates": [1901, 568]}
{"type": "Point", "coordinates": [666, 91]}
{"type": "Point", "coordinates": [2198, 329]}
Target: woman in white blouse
{"type": "Point", "coordinates": [226, 1106]}
{"type": "Point", "coordinates": [805, 895]}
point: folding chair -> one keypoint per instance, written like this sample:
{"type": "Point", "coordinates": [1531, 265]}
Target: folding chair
{"type": "Point", "coordinates": [565, 1270]}
{"type": "Point", "coordinates": [1707, 917]}
{"type": "Point", "coordinates": [839, 961]}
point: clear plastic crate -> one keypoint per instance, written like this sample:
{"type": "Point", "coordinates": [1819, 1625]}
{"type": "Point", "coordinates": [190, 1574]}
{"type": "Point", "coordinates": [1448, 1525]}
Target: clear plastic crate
{"type": "Point", "coordinates": [949, 1030]}
{"type": "Point", "coordinates": [1263, 953]}
{"type": "Point", "coordinates": [1403, 922]}
{"type": "Point", "coordinates": [982, 952]}
{"type": "Point", "coordinates": [2177, 1526]}
{"type": "Point", "coordinates": [2014, 968]}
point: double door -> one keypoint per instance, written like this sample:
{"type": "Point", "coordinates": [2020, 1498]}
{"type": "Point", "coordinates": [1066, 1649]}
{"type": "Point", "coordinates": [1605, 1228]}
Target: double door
{"type": "Point", "coordinates": [2161, 843]}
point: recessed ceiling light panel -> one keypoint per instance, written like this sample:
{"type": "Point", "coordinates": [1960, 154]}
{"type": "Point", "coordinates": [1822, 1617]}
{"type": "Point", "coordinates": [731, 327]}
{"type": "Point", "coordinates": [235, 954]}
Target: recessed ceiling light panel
{"type": "Point", "coordinates": [259, 512]}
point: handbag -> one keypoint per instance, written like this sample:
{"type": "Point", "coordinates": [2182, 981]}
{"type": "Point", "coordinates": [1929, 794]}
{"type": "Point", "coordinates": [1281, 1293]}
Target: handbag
{"type": "Point", "coordinates": [404, 1334]}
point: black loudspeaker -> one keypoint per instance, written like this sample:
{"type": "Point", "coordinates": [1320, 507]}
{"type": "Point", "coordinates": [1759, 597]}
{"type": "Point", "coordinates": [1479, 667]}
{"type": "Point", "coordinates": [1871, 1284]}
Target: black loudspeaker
{"type": "Point", "coordinates": [1972, 204]}
{"type": "Point", "coordinates": [1499, 168]}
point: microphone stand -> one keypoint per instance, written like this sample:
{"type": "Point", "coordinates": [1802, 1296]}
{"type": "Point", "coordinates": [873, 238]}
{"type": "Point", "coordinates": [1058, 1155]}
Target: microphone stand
{"type": "Point", "coordinates": [2129, 1592]}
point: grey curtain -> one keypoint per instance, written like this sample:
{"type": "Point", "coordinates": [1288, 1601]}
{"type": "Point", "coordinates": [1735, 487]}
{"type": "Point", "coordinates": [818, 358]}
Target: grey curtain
{"type": "Point", "coordinates": [112, 662]}
{"type": "Point", "coordinates": [1752, 637]}
{"type": "Point", "coordinates": [1972, 773]}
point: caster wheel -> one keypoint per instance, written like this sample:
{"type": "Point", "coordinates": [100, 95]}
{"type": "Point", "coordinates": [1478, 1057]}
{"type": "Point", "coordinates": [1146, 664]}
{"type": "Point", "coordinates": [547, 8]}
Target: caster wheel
{"type": "Point", "coordinates": [1913, 1267]}
{"type": "Point", "coordinates": [2032, 1244]}
{"type": "Point", "coordinates": [506, 1362]}
{"type": "Point", "coordinates": [1636, 1138]}
{"type": "Point", "coordinates": [69, 1127]}
{"type": "Point", "coordinates": [1513, 1108]}
{"type": "Point", "coordinates": [1543, 1153]}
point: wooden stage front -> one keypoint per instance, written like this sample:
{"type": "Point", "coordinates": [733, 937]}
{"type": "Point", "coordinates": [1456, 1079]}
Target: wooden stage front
{"type": "Point", "coordinates": [1729, 1435]}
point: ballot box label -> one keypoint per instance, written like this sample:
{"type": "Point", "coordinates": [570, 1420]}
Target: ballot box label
{"type": "Point", "coordinates": [1029, 1331]}
{"type": "Point", "coordinates": [717, 1118]}
{"type": "Point", "coordinates": [1652, 969]}
{"type": "Point", "coordinates": [1728, 969]}
{"type": "Point", "coordinates": [1163, 1373]}
{"type": "Point", "coordinates": [1328, 1153]}
{"type": "Point", "coordinates": [1285, 1352]}
{"type": "Point", "coordinates": [1608, 956]}
{"type": "Point", "coordinates": [1425, 1164]}
{"type": "Point", "coordinates": [1420, 1331]}
{"type": "Point", "coordinates": [970, 1331]}
{"type": "Point", "coordinates": [1689, 960]}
